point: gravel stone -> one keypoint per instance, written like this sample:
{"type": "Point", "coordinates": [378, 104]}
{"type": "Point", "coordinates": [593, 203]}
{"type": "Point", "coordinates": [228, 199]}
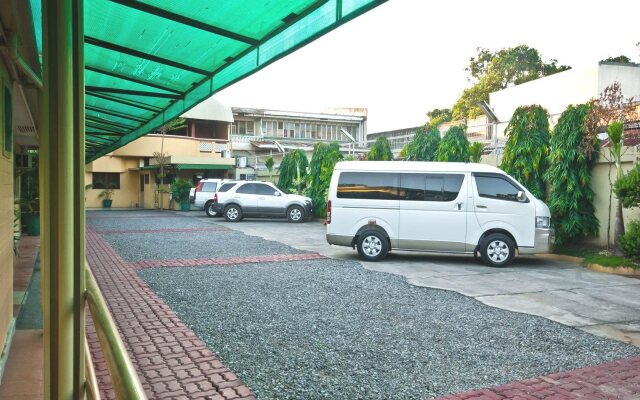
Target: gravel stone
{"type": "Point", "coordinates": [329, 329]}
{"type": "Point", "coordinates": [150, 222]}
{"type": "Point", "coordinates": [189, 245]}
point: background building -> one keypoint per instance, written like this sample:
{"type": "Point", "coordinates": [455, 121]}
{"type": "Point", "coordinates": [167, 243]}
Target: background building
{"type": "Point", "coordinates": [257, 134]}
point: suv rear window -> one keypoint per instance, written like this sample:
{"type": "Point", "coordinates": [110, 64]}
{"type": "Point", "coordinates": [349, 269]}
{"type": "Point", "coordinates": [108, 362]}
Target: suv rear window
{"type": "Point", "coordinates": [209, 187]}
{"type": "Point", "coordinates": [226, 186]}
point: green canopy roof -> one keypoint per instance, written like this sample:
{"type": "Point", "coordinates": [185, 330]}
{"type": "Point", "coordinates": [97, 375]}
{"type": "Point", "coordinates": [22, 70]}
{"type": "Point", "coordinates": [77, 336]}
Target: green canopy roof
{"type": "Point", "coordinates": [149, 61]}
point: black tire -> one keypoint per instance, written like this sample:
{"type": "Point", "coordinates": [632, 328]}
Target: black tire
{"type": "Point", "coordinates": [497, 250]}
{"type": "Point", "coordinates": [295, 214]}
{"type": "Point", "coordinates": [372, 245]}
{"type": "Point", "coordinates": [233, 213]}
{"type": "Point", "coordinates": [208, 208]}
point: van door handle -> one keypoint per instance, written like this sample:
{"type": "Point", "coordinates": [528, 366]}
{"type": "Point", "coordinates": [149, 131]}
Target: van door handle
{"type": "Point", "coordinates": [459, 205]}
{"type": "Point", "coordinates": [481, 206]}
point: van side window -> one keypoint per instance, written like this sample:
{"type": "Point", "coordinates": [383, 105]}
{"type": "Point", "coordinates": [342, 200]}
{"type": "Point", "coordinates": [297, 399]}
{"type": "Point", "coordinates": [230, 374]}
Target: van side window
{"type": "Point", "coordinates": [496, 188]}
{"type": "Point", "coordinates": [430, 187]}
{"type": "Point", "coordinates": [368, 185]}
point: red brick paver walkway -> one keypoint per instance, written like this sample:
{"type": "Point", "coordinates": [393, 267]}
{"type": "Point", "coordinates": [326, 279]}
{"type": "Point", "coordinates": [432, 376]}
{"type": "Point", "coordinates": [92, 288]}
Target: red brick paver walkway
{"type": "Point", "coordinates": [171, 361]}
{"type": "Point", "coordinates": [618, 380]}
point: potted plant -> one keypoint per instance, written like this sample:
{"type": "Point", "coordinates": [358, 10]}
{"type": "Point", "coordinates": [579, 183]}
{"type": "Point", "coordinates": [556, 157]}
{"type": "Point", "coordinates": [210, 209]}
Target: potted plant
{"type": "Point", "coordinates": [30, 212]}
{"type": "Point", "coordinates": [106, 196]}
{"type": "Point", "coordinates": [180, 190]}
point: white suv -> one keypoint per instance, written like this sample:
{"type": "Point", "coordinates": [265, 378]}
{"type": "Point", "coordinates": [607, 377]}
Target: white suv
{"type": "Point", "coordinates": [204, 192]}
{"type": "Point", "coordinates": [236, 200]}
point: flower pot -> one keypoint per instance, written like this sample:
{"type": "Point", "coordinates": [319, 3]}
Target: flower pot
{"type": "Point", "coordinates": [185, 206]}
{"type": "Point", "coordinates": [106, 203]}
{"type": "Point", "coordinates": [32, 224]}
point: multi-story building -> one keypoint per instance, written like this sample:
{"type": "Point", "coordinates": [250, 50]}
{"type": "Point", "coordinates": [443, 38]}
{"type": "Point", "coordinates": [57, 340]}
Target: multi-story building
{"type": "Point", "coordinates": [199, 149]}
{"type": "Point", "coordinates": [257, 134]}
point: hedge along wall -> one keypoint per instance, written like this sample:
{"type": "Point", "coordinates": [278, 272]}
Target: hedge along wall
{"type": "Point", "coordinates": [600, 185]}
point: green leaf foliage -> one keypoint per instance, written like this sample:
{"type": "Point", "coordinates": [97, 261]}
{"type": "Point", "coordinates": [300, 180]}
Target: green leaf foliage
{"type": "Point", "coordinates": [289, 169]}
{"type": "Point", "coordinates": [568, 176]}
{"type": "Point", "coordinates": [475, 150]}
{"type": "Point", "coordinates": [180, 189]}
{"type": "Point", "coordinates": [437, 116]}
{"type": "Point", "coordinates": [323, 162]}
{"type": "Point", "coordinates": [627, 188]}
{"type": "Point", "coordinates": [454, 146]}
{"type": "Point", "coordinates": [527, 147]}
{"type": "Point", "coordinates": [269, 163]}
{"type": "Point", "coordinates": [492, 71]}
{"type": "Point", "coordinates": [630, 241]}
{"type": "Point", "coordinates": [423, 146]}
{"type": "Point", "coordinates": [380, 150]}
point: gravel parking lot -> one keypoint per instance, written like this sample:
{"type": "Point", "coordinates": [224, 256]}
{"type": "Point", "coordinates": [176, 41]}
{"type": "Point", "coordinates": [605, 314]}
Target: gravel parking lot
{"type": "Point", "coordinates": [331, 329]}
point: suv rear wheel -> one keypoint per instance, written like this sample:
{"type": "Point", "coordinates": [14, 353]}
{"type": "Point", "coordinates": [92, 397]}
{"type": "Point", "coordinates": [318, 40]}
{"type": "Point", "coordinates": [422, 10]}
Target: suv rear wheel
{"type": "Point", "coordinates": [233, 213]}
{"type": "Point", "coordinates": [208, 208]}
{"type": "Point", "coordinates": [295, 214]}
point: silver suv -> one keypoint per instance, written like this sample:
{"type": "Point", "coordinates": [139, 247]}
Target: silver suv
{"type": "Point", "coordinates": [236, 200]}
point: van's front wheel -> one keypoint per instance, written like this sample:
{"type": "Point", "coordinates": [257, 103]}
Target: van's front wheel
{"type": "Point", "coordinates": [372, 246]}
{"type": "Point", "coordinates": [497, 250]}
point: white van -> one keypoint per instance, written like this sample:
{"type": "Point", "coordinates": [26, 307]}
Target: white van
{"type": "Point", "coordinates": [377, 206]}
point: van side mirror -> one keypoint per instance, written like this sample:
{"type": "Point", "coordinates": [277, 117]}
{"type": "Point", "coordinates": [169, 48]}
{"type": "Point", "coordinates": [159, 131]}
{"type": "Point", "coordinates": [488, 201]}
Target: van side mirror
{"type": "Point", "coordinates": [521, 196]}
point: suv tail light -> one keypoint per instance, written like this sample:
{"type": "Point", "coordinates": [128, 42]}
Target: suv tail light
{"type": "Point", "coordinates": [199, 187]}
{"type": "Point", "coordinates": [329, 212]}
{"type": "Point", "coordinates": [215, 197]}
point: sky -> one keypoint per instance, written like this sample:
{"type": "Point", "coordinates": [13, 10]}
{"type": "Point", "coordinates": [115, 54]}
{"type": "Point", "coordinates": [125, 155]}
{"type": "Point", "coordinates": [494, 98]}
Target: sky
{"type": "Point", "coordinates": [406, 57]}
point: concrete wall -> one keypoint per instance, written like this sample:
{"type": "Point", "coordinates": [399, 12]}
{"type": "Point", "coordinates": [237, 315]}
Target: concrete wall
{"type": "Point", "coordinates": [173, 145]}
{"type": "Point", "coordinates": [129, 193]}
{"type": "Point", "coordinates": [557, 91]}
{"type": "Point", "coordinates": [601, 187]}
{"type": "Point", "coordinates": [6, 222]}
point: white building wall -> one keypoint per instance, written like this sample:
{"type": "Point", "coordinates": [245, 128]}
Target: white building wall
{"type": "Point", "coordinates": [557, 91]}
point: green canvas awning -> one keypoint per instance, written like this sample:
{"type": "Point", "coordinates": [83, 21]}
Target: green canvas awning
{"type": "Point", "coordinates": [203, 166]}
{"type": "Point", "coordinates": [149, 61]}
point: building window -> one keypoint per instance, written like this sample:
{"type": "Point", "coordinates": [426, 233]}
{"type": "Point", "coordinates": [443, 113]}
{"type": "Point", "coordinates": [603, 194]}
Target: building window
{"type": "Point", "coordinates": [8, 123]}
{"type": "Point", "coordinates": [106, 180]}
{"type": "Point", "coordinates": [243, 128]}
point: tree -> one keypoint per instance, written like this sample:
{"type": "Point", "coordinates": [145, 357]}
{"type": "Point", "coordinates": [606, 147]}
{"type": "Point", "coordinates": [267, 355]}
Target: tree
{"type": "Point", "coordinates": [611, 106]}
{"type": "Point", "coordinates": [568, 175]}
{"type": "Point", "coordinates": [525, 153]}
{"type": "Point", "coordinates": [323, 162]}
{"type": "Point", "coordinates": [269, 164]}
{"type": "Point", "coordinates": [437, 116]}
{"type": "Point", "coordinates": [161, 160]}
{"type": "Point", "coordinates": [614, 132]}
{"type": "Point", "coordinates": [475, 151]}
{"type": "Point", "coordinates": [454, 145]}
{"type": "Point", "coordinates": [423, 146]}
{"type": "Point", "coordinates": [619, 59]}
{"type": "Point", "coordinates": [492, 71]}
{"type": "Point", "coordinates": [380, 150]}
{"type": "Point", "coordinates": [289, 166]}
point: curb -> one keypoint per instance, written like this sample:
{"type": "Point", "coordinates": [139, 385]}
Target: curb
{"type": "Point", "coordinates": [625, 271]}
{"type": "Point", "coordinates": [628, 271]}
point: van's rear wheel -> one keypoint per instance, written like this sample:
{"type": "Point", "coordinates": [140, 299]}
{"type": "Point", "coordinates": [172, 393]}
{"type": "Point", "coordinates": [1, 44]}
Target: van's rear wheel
{"type": "Point", "coordinates": [497, 250]}
{"type": "Point", "coordinates": [372, 246]}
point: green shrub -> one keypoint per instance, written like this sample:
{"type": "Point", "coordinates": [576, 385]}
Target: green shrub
{"type": "Point", "coordinates": [180, 190]}
{"type": "Point", "coordinates": [323, 162]}
{"type": "Point", "coordinates": [454, 146]}
{"type": "Point", "coordinates": [525, 154]}
{"type": "Point", "coordinates": [627, 188]}
{"type": "Point", "coordinates": [423, 146]}
{"type": "Point", "coordinates": [380, 150]}
{"type": "Point", "coordinates": [630, 241]}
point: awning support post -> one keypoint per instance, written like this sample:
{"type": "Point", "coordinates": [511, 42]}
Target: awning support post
{"type": "Point", "coordinates": [62, 161]}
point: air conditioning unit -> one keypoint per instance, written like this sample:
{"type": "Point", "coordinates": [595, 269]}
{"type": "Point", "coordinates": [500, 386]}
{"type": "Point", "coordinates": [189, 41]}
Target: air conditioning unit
{"type": "Point", "coordinates": [226, 154]}
{"type": "Point", "coordinates": [241, 162]}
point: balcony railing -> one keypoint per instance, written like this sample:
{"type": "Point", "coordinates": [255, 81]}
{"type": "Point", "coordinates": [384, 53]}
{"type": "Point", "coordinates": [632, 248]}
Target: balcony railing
{"type": "Point", "coordinates": [126, 383]}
